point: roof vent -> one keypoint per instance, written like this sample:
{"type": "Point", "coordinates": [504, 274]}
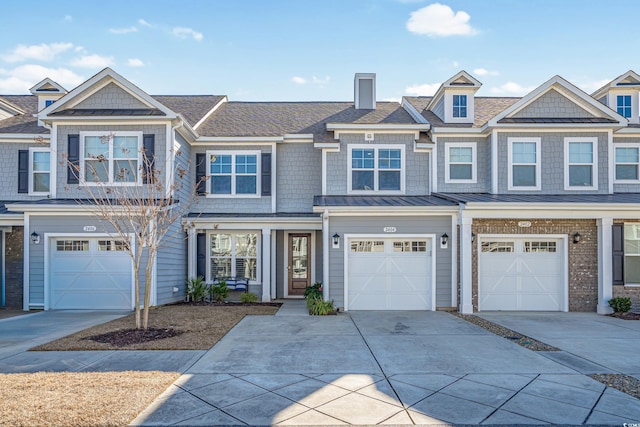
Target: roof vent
{"type": "Point", "coordinates": [365, 91]}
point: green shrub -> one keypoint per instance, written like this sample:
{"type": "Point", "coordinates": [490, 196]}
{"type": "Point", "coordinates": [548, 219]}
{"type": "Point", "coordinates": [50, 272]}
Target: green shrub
{"type": "Point", "coordinates": [196, 289]}
{"type": "Point", "coordinates": [320, 307]}
{"type": "Point", "coordinates": [218, 292]}
{"type": "Point", "coordinates": [313, 291]}
{"type": "Point", "coordinates": [620, 304]}
{"type": "Point", "coordinates": [248, 298]}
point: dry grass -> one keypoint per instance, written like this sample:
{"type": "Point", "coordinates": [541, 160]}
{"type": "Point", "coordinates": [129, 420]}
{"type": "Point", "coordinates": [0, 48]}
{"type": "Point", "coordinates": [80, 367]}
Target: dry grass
{"type": "Point", "coordinates": [78, 399]}
{"type": "Point", "coordinates": [203, 326]}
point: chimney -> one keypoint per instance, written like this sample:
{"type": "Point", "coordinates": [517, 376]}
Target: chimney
{"type": "Point", "coordinates": [365, 91]}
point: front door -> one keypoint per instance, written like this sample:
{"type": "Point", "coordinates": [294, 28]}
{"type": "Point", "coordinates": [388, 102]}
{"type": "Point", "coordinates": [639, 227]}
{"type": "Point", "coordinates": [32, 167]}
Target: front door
{"type": "Point", "coordinates": [299, 265]}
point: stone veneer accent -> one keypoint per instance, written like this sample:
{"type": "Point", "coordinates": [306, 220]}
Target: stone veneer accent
{"type": "Point", "coordinates": [583, 256]}
{"type": "Point", "coordinates": [13, 262]}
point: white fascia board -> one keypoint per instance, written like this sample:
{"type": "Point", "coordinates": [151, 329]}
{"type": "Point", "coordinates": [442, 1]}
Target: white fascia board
{"type": "Point", "coordinates": [549, 127]}
{"type": "Point", "coordinates": [84, 91]}
{"type": "Point", "coordinates": [8, 220]}
{"type": "Point", "coordinates": [423, 147]}
{"type": "Point", "coordinates": [329, 146]}
{"type": "Point", "coordinates": [227, 223]}
{"type": "Point", "coordinates": [108, 120]}
{"type": "Point", "coordinates": [52, 209]}
{"type": "Point", "coordinates": [453, 131]}
{"type": "Point", "coordinates": [612, 84]}
{"type": "Point", "coordinates": [387, 210]}
{"type": "Point", "coordinates": [627, 132]}
{"type": "Point", "coordinates": [298, 137]}
{"type": "Point", "coordinates": [208, 140]}
{"type": "Point", "coordinates": [411, 110]}
{"type": "Point", "coordinates": [186, 130]}
{"type": "Point", "coordinates": [550, 210]}
{"type": "Point", "coordinates": [23, 137]}
{"type": "Point", "coordinates": [376, 127]}
{"type": "Point", "coordinates": [11, 108]}
{"type": "Point", "coordinates": [45, 81]}
{"type": "Point", "coordinates": [211, 111]}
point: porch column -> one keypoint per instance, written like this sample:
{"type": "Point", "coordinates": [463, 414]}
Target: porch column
{"type": "Point", "coordinates": [605, 265]}
{"type": "Point", "coordinates": [466, 266]}
{"type": "Point", "coordinates": [191, 251]}
{"type": "Point", "coordinates": [325, 256]}
{"type": "Point", "coordinates": [266, 264]}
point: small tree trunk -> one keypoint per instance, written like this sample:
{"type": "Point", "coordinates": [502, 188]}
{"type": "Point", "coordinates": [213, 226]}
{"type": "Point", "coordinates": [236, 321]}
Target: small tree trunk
{"type": "Point", "coordinates": [147, 289]}
{"type": "Point", "coordinates": [137, 298]}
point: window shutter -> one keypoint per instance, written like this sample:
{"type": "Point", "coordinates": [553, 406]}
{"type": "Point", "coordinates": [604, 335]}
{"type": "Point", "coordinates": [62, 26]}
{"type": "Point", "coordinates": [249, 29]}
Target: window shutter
{"type": "Point", "coordinates": [23, 171]}
{"type": "Point", "coordinates": [201, 172]}
{"type": "Point", "coordinates": [617, 233]}
{"type": "Point", "coordinates": [266, 174]}
{"type": "Point", "coordinates": [201, 249]}
{"type": "Point", "coordinates": [149, 158]}
{"type": "Point", "coordinates": [73, 157]}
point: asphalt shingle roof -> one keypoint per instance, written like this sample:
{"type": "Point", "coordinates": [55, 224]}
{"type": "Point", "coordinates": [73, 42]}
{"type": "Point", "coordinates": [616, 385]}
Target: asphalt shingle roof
{"type": "Point", "coordinates": [485, 108]}
{"type": "Point", "coordinates": [191, 107]}
{"type": "Point", "coordinates": [238, 119]}
{"type": "Point", "coordinates": [22, 123]}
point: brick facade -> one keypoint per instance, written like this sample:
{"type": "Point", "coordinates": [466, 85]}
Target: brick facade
{"type": "Point", "coordinates": [583, 256]}
{"type": "Point", "coordinates": [14, 254]}
{"type": "Point", "coordinates": [630, 292]}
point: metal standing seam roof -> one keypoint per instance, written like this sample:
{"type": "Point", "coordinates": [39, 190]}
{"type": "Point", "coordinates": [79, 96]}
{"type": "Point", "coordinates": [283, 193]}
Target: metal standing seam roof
{"type": "Point", "coordinates": [615, 198]}
{"type": "Point", "coordinates": [246, 119]}
{"type": "Point", "coordinates": [557, 120]}
{"type": "Point", "coordinates": [109, 112]}
{"type": "Point", "coordinates": [383, 201]}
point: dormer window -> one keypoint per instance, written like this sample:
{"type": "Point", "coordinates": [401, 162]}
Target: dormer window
{"type": "Point", "coordinates": [48, 102]}
{"type": "Point", "coordinates": [623, 104]}
{"type": "Point", "coordinates": [459, 106]}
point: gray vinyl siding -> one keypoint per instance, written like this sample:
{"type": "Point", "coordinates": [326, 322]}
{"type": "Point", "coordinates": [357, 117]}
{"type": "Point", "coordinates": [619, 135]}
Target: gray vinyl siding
{"type": "Point", "coordinates": [60, 224]}
{"type": "Point", "coordinates": [416, 168]}
{"type": "Point", "coordinates": [230, 204]}
{"type": "Point", "coordinates": [9, 171]}
{"type": "Point", "coordinates": [171, 266]}
{"type": "Point", "coordinates": [298, 176]}
{"type": "Point", "coordinates": [71, 191]}
{"type": "Point", "coordinates": [404, 225]}
{"type": "Point", "coordinates": [438, 109]}
{"type": "Point", "coordinates": [624, 188]}
{"type": "Point", "coordinates": [111, 96]}
{"type": "Point", "coordinates": [553, 162]}
{"type": "Point", "coordinates": [552, 104]}
{"type": "Point", "coordinates": [185, 185]}
{"type": "Point", "coordinates": [280, 270]}
{"type": "Point", "coordinates": [483, 153]}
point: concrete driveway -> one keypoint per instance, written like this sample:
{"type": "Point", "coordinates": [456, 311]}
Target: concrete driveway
{"type": "Point", "coordinates": [381, 368]}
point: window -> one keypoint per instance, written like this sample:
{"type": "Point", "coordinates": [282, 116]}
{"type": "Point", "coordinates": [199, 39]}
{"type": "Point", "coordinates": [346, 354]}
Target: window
{"type": "Point", "coordinates": [112, 245]}
{"type": "Point", "coordinates": [234, 255]}
{"type": "Point", "coordinates": [460, 159]}
{"type": "Point", "coordinates": [627, 162]}
{"type": "Point", "coordinates": [72, 245]}
{"type": "Point", "coordinates": [110, 158]}
{"type": "Point", "coordinates": [39, 171]}
{"type": "Point", "coordinates": [524, 163]}
{"type": "Point", "coordinates": [581, 167]}
{"type": "Point", "coordinates": [497, 246]}
{"type": "Point", "coordinates": [459, 106]}
{"type": "Point", "coordinates": [624, 105]}
{"type": "Point", "coordinates": [410, 246]}
{"type": "Point", "coordinates": [376, 168]}
{"type": "Point", "coordinates": [233, 174]}
{"type": "Point", "coordinates": [539, 246]}
{"type": "Point", "coordinates": [632, 254]}
{"type": "Point", "coordinates": [48, 102]}
{"type": "Point", "coordinates": [367, 245]}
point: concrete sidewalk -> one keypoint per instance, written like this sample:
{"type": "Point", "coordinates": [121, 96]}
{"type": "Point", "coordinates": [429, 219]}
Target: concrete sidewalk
{"type": "Point", "coordinates": [380, 368]}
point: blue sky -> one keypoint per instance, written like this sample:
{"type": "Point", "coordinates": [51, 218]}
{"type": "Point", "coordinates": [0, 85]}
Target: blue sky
{"type": "Point", "coordinates": [309, 50]}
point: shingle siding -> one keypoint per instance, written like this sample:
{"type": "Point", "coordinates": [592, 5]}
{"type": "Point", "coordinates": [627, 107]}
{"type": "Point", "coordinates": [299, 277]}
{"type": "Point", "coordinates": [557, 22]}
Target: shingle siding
{"type": "Point", "coordinates": [298, 176]}
{"type": "Point", "coordinates": [552, 104]}
{"type": "Point", "coordinates": [111, 96]}
{"type": "Point", "coordinates": [9, 171]}
{"type": "Point", "coordinates": [483, 153]}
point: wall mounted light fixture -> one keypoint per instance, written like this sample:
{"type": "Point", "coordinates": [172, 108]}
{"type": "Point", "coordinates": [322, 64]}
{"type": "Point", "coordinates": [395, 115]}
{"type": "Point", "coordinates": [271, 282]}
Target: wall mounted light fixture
{"type": "Point", "coordinates": [336, 241]}
{"type": "Point", "coordinates": [444, 239]}
{"type": "Point", "coordinates": [576, 237]}
{"type": "Point", "coordinates": [35, 238]}
{"type": "Point", "coordinates": [473, 236]}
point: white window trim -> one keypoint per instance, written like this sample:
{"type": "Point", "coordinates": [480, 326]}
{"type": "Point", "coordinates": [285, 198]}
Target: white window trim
{"type": "Point", "coordinates": [111, 182]}
{"type": "Point", "coordinates": [453, 105]}
{"type": "Point", "coordinates": [594, 164]}
{"type": "Point", "coordinates": [630, 95]}
{"type": "Point", "coordinates": [32, 172]}
{"type": "Point", "coordinates": [233, 155]}
{"type": "Point", "coordinates": [376, 147]}
{"type": "Point", "coordinates": [258, 234]}
{"type": "Point", "coordinates": [625, 145]}
{"type": "Point", "coordinates": [448, 106]}
{"type": "Point", "coordinates": [474, 162]}
{"type": "Point", "coordinates": [537, 164]}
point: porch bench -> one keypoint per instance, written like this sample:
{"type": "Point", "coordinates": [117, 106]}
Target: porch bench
{"type": "Point", "coordinates": [234, 283]}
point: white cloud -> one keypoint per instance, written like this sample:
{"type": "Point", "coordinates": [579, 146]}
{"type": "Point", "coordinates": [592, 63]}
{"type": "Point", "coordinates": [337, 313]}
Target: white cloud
{"type": "Point", "coordinates": [135, 62]}
{"type": "Point", "coordinates": [41, 52]}
{"type": "Point", "coordinates": [126, 30]}
{"type": "Point", "coordinates": [145, 23]}
{"type": "Point", "coordinates": [439, 20]}
{"type": "Point", "coordinates": [298, 80]}
{"type": "Point", "coordinates": [512, 88]}
{"type": "Point", "coordinates": [20, 79]}
{"type": "Point", "coordinates": [185, 33]}
{"type": "Point", "coordinates": [422, 90]}
{"type": "Point", "coordinates": [93, 61]}
{"type": "Point", "coordinates": [485, 72]}
{"type": "Point", "coordinates": [68, 18]}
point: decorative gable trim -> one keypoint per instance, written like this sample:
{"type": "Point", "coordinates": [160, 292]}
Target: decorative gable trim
{"type": "Point", "coordinates": [573, 93]}
{"type": "Point", "coordinates": [10, 108]}
{"type": "Point", "coordinates": [47, 86]}
{"type": "Point", "coordinates": [461, 80]}
{"type": "Point", "coordinates": [97, 82]}
{"type": "Point", "coordinates": [628, 79]}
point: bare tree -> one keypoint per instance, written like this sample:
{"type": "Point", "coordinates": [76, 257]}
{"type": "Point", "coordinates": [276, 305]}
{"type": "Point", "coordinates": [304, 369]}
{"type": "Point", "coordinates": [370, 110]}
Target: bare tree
{"type": "Point", "coordinates": [125, 188]}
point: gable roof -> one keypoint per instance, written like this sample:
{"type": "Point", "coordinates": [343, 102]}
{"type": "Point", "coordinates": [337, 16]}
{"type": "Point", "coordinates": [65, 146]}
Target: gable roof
{"type": "Point", "coordinates": [192, 107]}
{"type": "Point", "coordinates": [630, 78]}
{"type": "Point", "coordinates": [460, 80]}
{"type": "Point", "coordinates": [484, 110]}
{"type": "Point", "coordinates": [601, 113]}
{"type": "Point", "coordinates": [47, 86]}
{"type": "Point", "coordinates": [24, 122]}
{"type": "Point", "coordinates": [246, 119]}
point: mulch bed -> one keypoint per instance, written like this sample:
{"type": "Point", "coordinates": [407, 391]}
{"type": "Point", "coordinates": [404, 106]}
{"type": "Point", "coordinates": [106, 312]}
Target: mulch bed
{"type": "Point", "coordinates": [624, 383]}
{"type": "Point", "coordinates": [626, 316]}
{"type": "Point", "coordinates": [513, 336]}
{"type": "Point", "coordinates": [227, 304]}
{"type": "Point", "coordinates": [125, 337]}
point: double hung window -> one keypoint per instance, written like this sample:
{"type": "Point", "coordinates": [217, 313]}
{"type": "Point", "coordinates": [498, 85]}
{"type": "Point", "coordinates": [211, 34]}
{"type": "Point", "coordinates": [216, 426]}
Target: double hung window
{"type": "Point", "coordinates": [524, 163]}
{"type": "Point", "coordinates": [376, 168]}
{"type": "Point", "coordinates": [581, 164]}
{"type": "Point", "coordinates": [460, 159]}
{"type": "Point", "coordinates": [627, 157]}
{"type": "Point", "coordinates": [233, 174]}
{"type": "Point", "coordinates": [39, 171]}
{"type": "Point", "coordinates": [623, 104]}
{"type": "Point", "coordinates": [111, 158]}
{"type": "Point", "coordinates": [459, 106]}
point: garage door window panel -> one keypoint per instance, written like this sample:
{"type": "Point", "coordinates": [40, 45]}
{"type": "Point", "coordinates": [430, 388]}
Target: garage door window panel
{"type": "Point", "coordinates": [410, 246]}
{"type": "Point", "coordinates": [539, 247]}
{"type": "Point", "coordinates": [497, 246]}
{"type": "Point", "coordinates": [72, 245]}
{"type": "Point", "coordinates": [632, 254]}
{"type": "Point", "coordinates": [112, 245]}
{"type": "Point", "coordinates": [367, 246]}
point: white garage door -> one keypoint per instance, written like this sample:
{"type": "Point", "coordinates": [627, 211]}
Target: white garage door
{"type": "Point", "coordinates": [521, 274]}
{"type": "Point", "coordinates": [389, 274]}
{"type": "Point", "coordinates": [89, 273]}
